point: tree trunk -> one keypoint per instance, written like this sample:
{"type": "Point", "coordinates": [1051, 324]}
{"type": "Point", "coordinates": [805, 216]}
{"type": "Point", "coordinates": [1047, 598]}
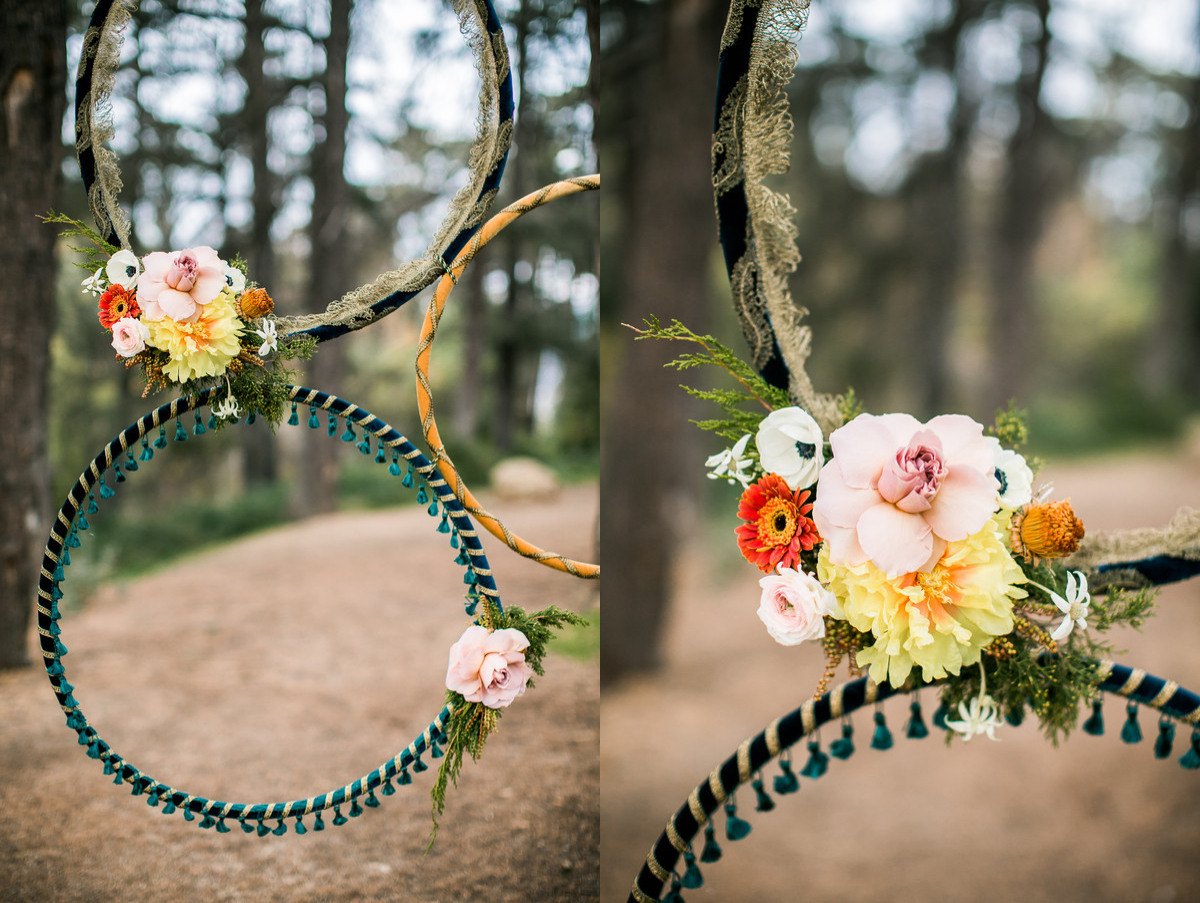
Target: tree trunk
{"type": "Point", "coordinates": [33, 36]}
{"type": "Point", "coordinates": [257, 441]}
{"type": "Point", "coordinates": [667, 233]}
{"type": "Point", "coordinates": [330, 260]}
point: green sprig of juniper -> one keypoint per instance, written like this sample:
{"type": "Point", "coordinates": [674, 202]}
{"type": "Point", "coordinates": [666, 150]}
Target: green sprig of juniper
{"type": "Point", "coordinates": [94, 257]}
{"type": "Point", "coordinates": [471, 722]}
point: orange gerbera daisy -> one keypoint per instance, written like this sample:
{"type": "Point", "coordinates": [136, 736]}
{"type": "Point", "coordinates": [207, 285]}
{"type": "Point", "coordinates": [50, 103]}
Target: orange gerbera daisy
{"type": "Point", "coordinates": [116, 303]}
{"type": "Point", "coordinates": [777, 524]}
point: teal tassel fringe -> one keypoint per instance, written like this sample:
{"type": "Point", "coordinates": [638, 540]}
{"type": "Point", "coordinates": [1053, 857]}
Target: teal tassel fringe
{"type": "Point", "coordinates": [454, 540]}
{"type": "Point", "coordinates": [180, 432]}
{"type": "Point", "coordinates": [435, 751]}
{"type": "Point", "coordinates": [418, 766]}
{"type": "Point", "coordinates": [248, 829]}
{"type": "Point", "coordinates": [843, 748]}
{"type": "Point", "coordinates": [161, 441]}
{"type": "Point", "coordinates": [318, 823]}
{"type": "Point", "coordinates": [348, 434]}
{"type": "Point", "coordinates": [332, 428]}
{"type": "Point", "coordinates": [712, 849]}
{"type": "Point", "coordinates": [207, 821]}
{"type": "Point", "coordinates": [355, 810]}
{"type": "Point", "coordinates": [939, 717]}
{"type": "Point", "coordinates": [222, 828]}
{"type": "Point", "coordinates": [916, 724]}
{"type": "Point", "coordinates": [263, 828]}
{"type": "Point", "coordinates": [882, 738]}
{"type": "Point", "coordinates": [152, 800]}
{"type": "Point", "coordinates": [313, 422]}
{"type": "Point", "coordinates": [188, 815]}
{"type": "Point", "coordinates": [300, 829]}
{"type": "Point", "coordinates": [117, 471]}
{"type": "Point", "coordinates": [387, 789]}
{"type": "Point", "coordinates": [691, 876]}
{"type": "Point", "coordinates": [131, 463]}
{"type": "Point", "coordinates": [764, 802]}
{"type": "Point", "coordinates": [250, 417]}
{"type": "Point", "coordinates": [169, 808]}
{"type": "Point", "coordinates": [372, 800]}
{"type": "Point", "coordinates": [338, 818]}
{"type": "Point", "coordinates": [1015, 716]}
{"type": "Point", "coordinates": [818, 762]}
{"type": "Point", "coordinates": [1131, 732]}
{"type": "Point", "coordinates": [147, 451]}
{"type": "Point", "coordinates": [394, 467]}
{"type": "Point", "coordinates": [212, 421]}
{"type": "Point", "coordinates": [432, 510]}
{"type": "Point", "coordinates": [106, 491]}
{"type": "Point", "coordinates": [1166, 738]}
{"type": "Point", "coordinates": [404, 777]}
{"type": "Point", "coordinates": [198, 429]}
{"type": "Point", "coordinates": [280, 829]}
{"type": "Point", "coordinates": [407, 482]}
{"type": "Point", "coordinates": [422, 496]}
{"type": "Point", "coordinates": [735, 828]}
{"type": "Point", "coordinates": [786, 782]}
{"type": "Point", "coordinates": [379, 457]}
{"type": "Point", "coordinates": [1095, 724]}
{"type": "Point", "coordinates": [674, 896]}
{"type": "Point", "coordinates": [294, 420]}
{"type": "Point", "coordinates": [1191, 759]}
{"type": "Point", "coordinates": [364, 447]}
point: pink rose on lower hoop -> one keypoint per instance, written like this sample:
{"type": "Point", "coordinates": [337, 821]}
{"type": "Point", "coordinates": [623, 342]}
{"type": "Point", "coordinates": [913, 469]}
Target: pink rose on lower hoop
{"type": "Point", "coordinates": [489, 666]}
{"type": "Point", "coordinates": [793, 606]}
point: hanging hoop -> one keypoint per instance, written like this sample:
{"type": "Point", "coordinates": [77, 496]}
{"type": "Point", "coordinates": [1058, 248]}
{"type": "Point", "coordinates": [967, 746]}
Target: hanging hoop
{"type": "Point", "coordinates": [429, 326]}
{"type": "Point", "coordinates": [118, 459]}
{"type": "Point", "coordinates": [489, 151]}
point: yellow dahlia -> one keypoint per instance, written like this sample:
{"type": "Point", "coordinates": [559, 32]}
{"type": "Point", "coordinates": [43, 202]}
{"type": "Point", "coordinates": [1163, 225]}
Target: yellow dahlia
{"type": "Point", "coordinates": [203, 348]}
{"type": "Point", "coordinates": [939, 620]}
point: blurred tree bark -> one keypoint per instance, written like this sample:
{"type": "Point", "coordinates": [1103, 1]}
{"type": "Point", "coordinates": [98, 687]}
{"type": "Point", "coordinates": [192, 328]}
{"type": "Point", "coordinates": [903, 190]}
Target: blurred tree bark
{"type": "Point", "coordinates": [33, 38]}
{"type": "Point", "coordinates": [654, 78]}
{"type": "Point", "coordinates": [330, 260]}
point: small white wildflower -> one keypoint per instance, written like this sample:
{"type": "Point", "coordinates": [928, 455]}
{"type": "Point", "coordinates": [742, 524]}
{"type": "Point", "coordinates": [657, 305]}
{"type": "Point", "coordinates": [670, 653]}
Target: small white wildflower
{"type": "Point", "coordinates": [94, 283]}
{"type": "Point", "coordinates": [226, 409]}
{"type": "Point", "coordinates": [269, 336]}
{"type": "Point", "coordinates": [730, 464]}
{"type": "Point", "coordinates": [1074, 607]}
{"type": "Point", "coordinates": [982, 716]}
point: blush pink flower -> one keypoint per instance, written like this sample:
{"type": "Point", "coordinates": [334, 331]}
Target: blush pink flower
{"type": "Point", "coordinates": [793, 606]}
{"type": "Point", "coordinates": [896, 490]}
{"type": "Point", "coordinates": [178, 284]}
{"type": "Point", "coordinates": [129, 336]}
{"type": "Point", "coordinates": [489, 666]}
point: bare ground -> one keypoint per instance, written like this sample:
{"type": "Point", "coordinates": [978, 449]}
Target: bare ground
{"type": "Point", "coordinates": [284, 666]}
{"type": "Point", "coordinates": [1095, 820]}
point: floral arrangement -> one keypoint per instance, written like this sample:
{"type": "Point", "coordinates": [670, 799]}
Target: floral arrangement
{"type": "Point", "coordinates": [916, 552]}
{"type": "Point", "coordinates": [190, 319]}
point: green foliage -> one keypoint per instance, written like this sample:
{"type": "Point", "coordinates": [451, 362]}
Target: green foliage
{"type": "Point", "coordinates": [471, 722]}
{"type": "Point", "coordinates": [95, 256]}
{"type": "Point", "coordinates": [755, 389]}
{"type": "Point", "coordinates": [1010, 427]}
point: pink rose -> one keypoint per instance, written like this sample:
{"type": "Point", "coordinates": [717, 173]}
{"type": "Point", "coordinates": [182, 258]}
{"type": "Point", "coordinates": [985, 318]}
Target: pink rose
{"type": "Point", "coordinates": [792, 606]}
{"type": "Point", "coordinates": [129, 336]}
{"type": "Point", "coordinates": [489, 667]}
{"type": "Point", "coordinates": [179, 283]}
{"type": "Point", "coordinates": [896, 490]}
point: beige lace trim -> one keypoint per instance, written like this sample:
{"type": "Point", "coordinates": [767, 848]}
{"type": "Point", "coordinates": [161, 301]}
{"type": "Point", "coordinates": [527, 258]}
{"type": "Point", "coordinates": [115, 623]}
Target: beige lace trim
{"type": "Point", "coordinates": [1180, 538]}
{"type": "Point", "coordinates": [492, 140]}
{"type": "Point", "coordinates": [754, 131]}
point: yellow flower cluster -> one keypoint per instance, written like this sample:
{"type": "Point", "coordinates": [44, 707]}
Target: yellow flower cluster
{"type": "Point", "coordinates": [939, 621]}
{"type": "Point", "coordinates": [203, 348]}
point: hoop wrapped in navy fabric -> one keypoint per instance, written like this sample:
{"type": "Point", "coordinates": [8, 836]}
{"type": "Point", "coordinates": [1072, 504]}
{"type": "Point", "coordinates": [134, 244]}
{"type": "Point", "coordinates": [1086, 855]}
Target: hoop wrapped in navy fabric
{"type": "Point", "coordinates": [82, 501]}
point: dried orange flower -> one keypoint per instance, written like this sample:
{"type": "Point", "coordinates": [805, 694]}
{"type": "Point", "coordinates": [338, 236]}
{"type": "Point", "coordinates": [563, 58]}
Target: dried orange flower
{"type": "Point", "coordinates": [1046, 530]}
{"type": "Point", "coordinates": [255, 303]}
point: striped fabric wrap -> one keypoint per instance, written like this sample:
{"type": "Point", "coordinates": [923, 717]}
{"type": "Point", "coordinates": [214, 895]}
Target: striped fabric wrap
{"type": "Point", "coordinates": [56, 558]}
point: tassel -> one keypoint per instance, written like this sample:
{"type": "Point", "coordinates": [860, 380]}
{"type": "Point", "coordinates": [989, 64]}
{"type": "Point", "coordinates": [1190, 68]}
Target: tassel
{"type": "Point", "coordinates": [364, 447]}
{"type": "Point", "coordinates": [1191, 759]}
{"type": "Point", "coordinates": [108, 768]}
{"type": "Point", "coordinates": [469, 577]}
{"type": "Point", "coordinates": [118, 779]}
{"type": "Point", "coordinates": [356, 810]}
{"type": "Point", "coordinates": [818, 762]}
{"type": "Point", "coordinates": [1095, 724]}
{"type": "Point", "coordinates": [882, 738]}
{"type": "Point", "coordinates": [691, 876]}
{"type": "Point", "coordinates": [106, 491]}
{"type": "Point", "coordinates": [280, 829]}
{"type": "Point", "coordinates": [93, 750]}
{"type": "Point", "coordinates": [83, 522]}
{"type": "Point", "coordinates": [212, 421]}
{"type": "Point", "coordinates": [379, 458]}
{"type": "Point", "coordinates": [131, 463]}
{"type": "Point", "coordinates": [418, 766]}
{"type": "Point", "coordinates": [147, 451]}
{"type": "Point", "coordinates": [248, 829]}
{"type": "Point", "coordinates": [180, 432]}
{"type": "Point", "coordinates": [454, 540]}
{"type": "Point", "coordinates": [387, 789]}
{"type": "Point", "coordinates": [188, 815]}
{"type": "Point", "coordinates": [60, 648]}
{"type": "Point", "coordinates": [318, 823]}
{"type": "Point", "coordinates": [787, 782]}
{"type": "Point", "coordinates": [1015, 716]}
{"type": "Point", "coordinates": [1166, 738]}
{"type": "Point", "coordinates": [55, 669]}
{"type": "Point", "coordinates": [250, 417]}
{"type": "Point", "coordinates": [117, 471]}
{"type": "Point", "coordinates": [394, 467]}
{"type": "Point", "coordinates": [939, 717]}
{"type": "Point", "coordinates": [161, 441]}
{"type": "Point", "coordinates": [422, 496]}
{"type": "Point", "coordinates": [712, 849]}
{"type": "Point", "coordinates": [207, 821]}
{"type": "Point", "coordinates": [262, 828]}
{"type": "Point", "coordinates": [435, 751]}
{"type": "Point", "coordinates": [432, 510]}
{"type": "Point", "coordinates": [300, 829]}
{"type": "Point", "coordinates": [169, 808]}
{"type": "Point", "coordinates": [674, 896]}
{"type": "Point", "coordinates": [294, 420]}
{"type": "Point", "coordinates": [916, 724]}
{"type": "Point", "coordinates": [198, 428]}
{"type": "Point", "coordinates": [313, 422]}
{"type": "Point", "coordinates": [407, 482]}
{"type": "Point", "coordinates": [735, 828]}
{"type": "Point", "coordinates": [404, 777]}
{"type": "Point", "coordinates": [764, 802]}
{"type": "Point", "coordinates": [152, 800]}
{"type": "Point", "coordinates": [1131, 732]}
{"type": "Point", "coordinates": [348, 434]}
{"type": "Point", "coordinates": [73, 540]}
{"type": "Point", "coordinates": [332, 428]}
{"type": "Point", "coordinates": [371, 800]}
{"type": "Point", "coordinates": [222, 828]}
{"type": "Point", "coordinates": [338, 818]}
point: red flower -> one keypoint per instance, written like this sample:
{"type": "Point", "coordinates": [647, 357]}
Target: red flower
{"type": "Point", "coordinates": [778, 527]}
{"type": "Point", "coordinates": [117, 302]}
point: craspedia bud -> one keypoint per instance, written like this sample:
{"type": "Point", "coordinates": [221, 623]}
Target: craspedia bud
{"type": "Point", "coordinates": [1047, 530]}
{"type": "Point", "coordinates": [255, 303]}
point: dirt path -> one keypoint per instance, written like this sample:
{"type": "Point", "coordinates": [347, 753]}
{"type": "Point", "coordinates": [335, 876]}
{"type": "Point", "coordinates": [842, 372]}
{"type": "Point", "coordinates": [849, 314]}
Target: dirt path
{"type": "Point", "coordinates": [284, 666]}
{"type": "Point", "coordinates": [1096, 820]}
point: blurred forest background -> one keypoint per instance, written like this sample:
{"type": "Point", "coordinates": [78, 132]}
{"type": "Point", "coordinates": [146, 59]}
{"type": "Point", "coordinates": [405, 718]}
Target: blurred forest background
{"type": "Point", "coordinates": [997, 199]}
{"type": "Point", "coordinates": [323, 143]}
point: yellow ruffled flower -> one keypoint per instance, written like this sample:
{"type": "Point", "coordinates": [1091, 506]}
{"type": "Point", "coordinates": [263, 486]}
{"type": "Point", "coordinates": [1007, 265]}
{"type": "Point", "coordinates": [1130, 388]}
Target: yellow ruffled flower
{"type": "Point", "coordinates": [203, 348]}
{"type": "Point", "coordinates": [940, 620]}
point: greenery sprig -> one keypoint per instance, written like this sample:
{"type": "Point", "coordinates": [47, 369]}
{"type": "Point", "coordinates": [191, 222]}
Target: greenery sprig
{"type": "Point", "coordinates": [95, 256]}
{"type": "Point", "coordinates": [472, 722]}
